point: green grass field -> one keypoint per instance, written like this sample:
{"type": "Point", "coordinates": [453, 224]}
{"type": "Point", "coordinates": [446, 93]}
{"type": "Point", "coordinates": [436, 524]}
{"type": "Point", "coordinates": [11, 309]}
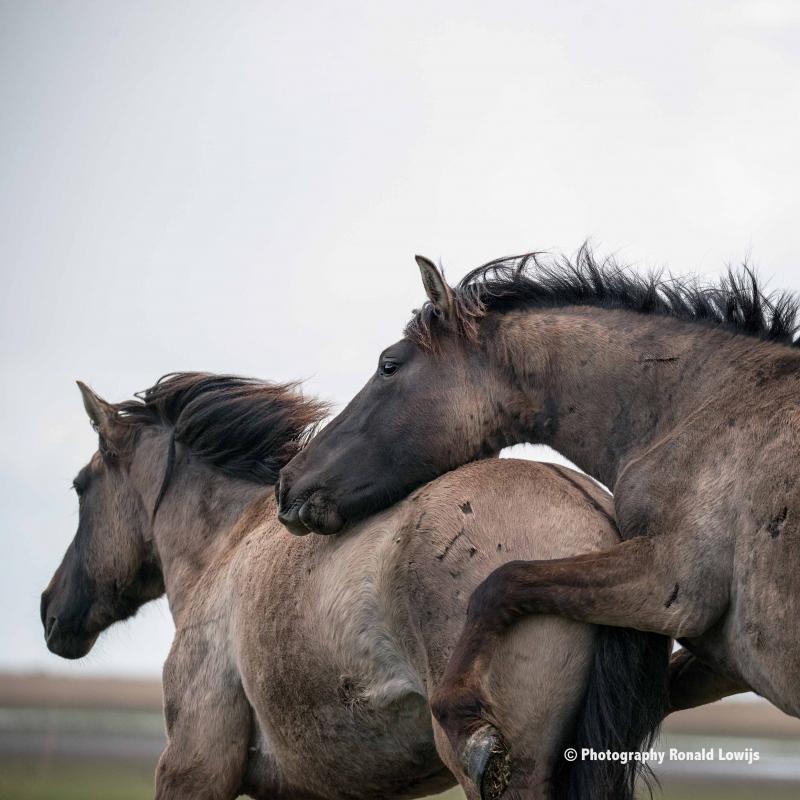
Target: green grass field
{"type": "Point", "coordinates": [21, 780]}
{"type": "Point", "coordinates": [99, 753]}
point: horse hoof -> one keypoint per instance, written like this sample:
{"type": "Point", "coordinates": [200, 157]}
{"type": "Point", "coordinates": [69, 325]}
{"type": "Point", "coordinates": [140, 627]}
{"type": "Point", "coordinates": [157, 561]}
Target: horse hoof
{"type": "Point", "coordinates": [487, 762]}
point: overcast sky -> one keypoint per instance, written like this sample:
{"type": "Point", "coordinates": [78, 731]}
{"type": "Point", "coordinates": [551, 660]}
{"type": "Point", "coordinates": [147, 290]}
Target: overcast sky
{"type": "Point", "coordinates": [241, 186]}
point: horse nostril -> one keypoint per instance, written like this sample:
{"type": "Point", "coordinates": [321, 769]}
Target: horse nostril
{"type": "Point", "coordinates": [50, 628]}
{"type": "Point", "coordinates": [282, 490]}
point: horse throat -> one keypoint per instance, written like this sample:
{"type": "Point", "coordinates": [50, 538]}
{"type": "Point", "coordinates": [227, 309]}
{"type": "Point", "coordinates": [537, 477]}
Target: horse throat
{"type": "Point", "coordinates": [194, 522]}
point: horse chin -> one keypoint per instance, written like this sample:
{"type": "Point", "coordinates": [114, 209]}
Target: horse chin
{"type": "Point", "coordinates": [293, 524]}
{"type": "Point", "coordinates": [71, 647]}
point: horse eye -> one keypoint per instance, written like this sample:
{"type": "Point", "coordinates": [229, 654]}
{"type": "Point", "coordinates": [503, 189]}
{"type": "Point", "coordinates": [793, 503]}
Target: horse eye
{"type": "Point", "coordinates": [389, 367]}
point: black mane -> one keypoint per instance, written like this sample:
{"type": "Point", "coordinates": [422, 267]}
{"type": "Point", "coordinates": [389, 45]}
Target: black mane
{"type": "Point", "coordinates": [534, 280]}
{"type": "Point", "coordinates": [244, 427]}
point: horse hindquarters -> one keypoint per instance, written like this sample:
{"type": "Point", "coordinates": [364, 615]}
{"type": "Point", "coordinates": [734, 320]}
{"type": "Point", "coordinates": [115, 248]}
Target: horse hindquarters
{"type": "Point", "coordinates": [621, 710]}
{"type": "Point", "coordinates": [556, 684]}
{"type": "Point", "coordinates": [535, 686]}
{"type": "Point", "coordinates": [463, 527]}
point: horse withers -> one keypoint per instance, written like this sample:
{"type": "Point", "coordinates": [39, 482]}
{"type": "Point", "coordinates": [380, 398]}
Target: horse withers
{"type": "Point", "coordinates": [303, 667]}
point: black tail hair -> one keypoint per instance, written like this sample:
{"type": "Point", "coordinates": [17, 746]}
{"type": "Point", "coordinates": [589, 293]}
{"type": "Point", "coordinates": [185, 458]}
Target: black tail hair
{"type": "Point", "coordinates": [625, 701]}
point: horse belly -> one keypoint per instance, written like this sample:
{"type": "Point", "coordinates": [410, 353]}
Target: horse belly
{"type": "Point", "coordinates": [340, 712]}
{"type": "Point", "coordinates": [329, 743]}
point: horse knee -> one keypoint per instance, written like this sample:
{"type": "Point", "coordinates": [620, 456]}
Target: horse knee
{"type": "Point", "coordinates": [174, 782]}
{"type": "Point", "coordinates": [189, 781]}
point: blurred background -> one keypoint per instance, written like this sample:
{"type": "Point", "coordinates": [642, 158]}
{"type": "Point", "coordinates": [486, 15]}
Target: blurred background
{"type": "Point", "coordinates": [241, 187]}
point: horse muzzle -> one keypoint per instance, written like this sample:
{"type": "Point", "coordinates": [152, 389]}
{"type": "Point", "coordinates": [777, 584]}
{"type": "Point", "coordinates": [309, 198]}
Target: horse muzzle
{"type": "Point", "coordinates": [65, 643]}
{"type": "Point", "coordinates": [310, 512]}
{"type": "Point", "coordinates": [58, 636]}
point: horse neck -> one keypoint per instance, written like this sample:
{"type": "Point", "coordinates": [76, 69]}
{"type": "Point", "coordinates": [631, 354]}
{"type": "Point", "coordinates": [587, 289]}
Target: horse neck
{"type": "Point", "coordinates": [198, 511]}
{"type": "Point", "coordinates": [602, 385]}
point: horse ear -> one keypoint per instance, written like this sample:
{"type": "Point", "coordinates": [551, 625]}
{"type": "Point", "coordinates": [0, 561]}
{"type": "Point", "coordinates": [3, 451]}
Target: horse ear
{"type": "Point", "coordinates": [439, 293]}
{"type": "Point", "coordinates": [102, 414]}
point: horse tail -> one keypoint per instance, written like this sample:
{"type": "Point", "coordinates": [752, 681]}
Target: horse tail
{"type": "Point", "coordinates": [625, 701]}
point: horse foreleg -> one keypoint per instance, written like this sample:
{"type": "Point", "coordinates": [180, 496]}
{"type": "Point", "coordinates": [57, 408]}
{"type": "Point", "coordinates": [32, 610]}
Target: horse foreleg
{"type": "Point", "coordinates": [693, 683]}
{"type": "Point", "coordinates": [638, 584]}
{"type": "Point", "coordinates": [208, 728]}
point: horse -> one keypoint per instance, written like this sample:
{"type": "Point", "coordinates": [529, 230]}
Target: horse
{"type": "Point", "coordinates": [682, 398]}
{"type": "Point", "coordinates": [303, 667]}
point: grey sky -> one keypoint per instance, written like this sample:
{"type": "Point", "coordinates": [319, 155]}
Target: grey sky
{"type": "Point", "coordinates": [241, 187]}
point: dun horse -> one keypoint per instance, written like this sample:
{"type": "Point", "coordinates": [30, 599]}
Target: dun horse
{"type": "Point", "coordinates": [303, 668]}
{"type": "Point", "coordinates": [684, 400]}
